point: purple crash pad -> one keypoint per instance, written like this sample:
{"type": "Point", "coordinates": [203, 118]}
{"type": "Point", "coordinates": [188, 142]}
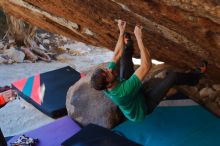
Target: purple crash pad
{"type": "Point", "coordinates": [52, 134]}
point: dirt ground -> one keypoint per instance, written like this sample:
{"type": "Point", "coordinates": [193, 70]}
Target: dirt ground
{"type": "Point", "coordinates": [19, 116]}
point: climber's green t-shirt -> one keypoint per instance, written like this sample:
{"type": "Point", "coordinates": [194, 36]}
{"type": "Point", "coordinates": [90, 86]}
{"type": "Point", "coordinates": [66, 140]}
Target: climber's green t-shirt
{"type": "Point", "coordinates": [128, 97]}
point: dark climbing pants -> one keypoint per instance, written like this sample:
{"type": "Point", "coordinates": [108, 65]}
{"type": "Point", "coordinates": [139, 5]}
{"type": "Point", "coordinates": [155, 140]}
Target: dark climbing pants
{"type": "Point", "coordinates": [155, 93]}
{"type": "Point", "coordinates": [126, 64]}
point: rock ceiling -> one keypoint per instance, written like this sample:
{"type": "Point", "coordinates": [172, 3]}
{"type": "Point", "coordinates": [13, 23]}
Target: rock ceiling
{"type": "Point", "coordinates": [179, 32]}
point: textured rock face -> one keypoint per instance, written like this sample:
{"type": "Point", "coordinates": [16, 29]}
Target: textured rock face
{"type": "Point", "coordinates": [179, 32]}
{"type": "Point", "coordinates": [86, 105]}
{"type": "Point", "coordinates": [3, 25]}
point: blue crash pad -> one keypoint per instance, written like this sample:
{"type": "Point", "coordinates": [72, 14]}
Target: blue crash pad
{"type": "Point", "coordinates": [174, 126]}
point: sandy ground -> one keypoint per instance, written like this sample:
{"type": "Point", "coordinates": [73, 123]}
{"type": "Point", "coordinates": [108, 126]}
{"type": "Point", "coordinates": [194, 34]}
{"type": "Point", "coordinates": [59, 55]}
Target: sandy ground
{"type": "Point", "coordinates": [19, 116]}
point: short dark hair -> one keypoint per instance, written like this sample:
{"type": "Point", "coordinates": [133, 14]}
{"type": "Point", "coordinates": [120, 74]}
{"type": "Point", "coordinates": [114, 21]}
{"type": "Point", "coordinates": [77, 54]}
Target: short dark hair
{"type": "Point", "coordinates": [98, 79]}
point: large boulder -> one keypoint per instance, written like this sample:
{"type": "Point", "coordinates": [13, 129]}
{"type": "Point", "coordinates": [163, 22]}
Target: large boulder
{"type": "Point", "coordinates": [87, 105]}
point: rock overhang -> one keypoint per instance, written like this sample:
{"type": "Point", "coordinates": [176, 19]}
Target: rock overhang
{"type": "Point", "coordinates": [178, 32]}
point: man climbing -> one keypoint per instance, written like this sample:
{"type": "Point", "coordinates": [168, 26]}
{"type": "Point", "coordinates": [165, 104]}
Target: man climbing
{"type": "Point", "coordinates": [133, 98]}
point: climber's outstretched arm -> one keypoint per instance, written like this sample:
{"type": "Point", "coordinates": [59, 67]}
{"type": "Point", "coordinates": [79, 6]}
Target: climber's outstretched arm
{"type": "Point", "coordinates": [145, 66]}
{"type": "Point", "coordinates": [120, 43]}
